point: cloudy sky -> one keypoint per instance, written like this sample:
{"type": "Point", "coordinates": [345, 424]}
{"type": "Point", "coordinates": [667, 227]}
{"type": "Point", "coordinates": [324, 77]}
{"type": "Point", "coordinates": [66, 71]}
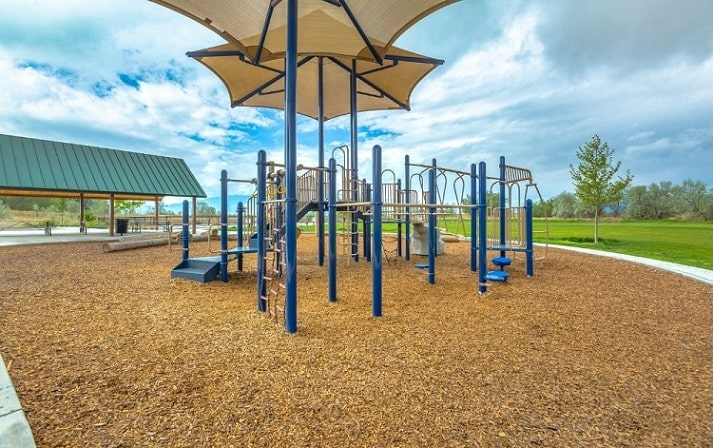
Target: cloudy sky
{"type": "Point", "coordinates": [530, 80]}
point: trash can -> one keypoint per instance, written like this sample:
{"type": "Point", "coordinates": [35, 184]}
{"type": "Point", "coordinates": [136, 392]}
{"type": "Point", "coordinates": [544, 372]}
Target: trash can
{"type": "Point", "coordinates": [122, 226]}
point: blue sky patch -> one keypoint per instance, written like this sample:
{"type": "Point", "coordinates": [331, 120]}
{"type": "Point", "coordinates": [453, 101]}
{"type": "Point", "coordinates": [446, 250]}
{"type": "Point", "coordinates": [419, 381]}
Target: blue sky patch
{"type": "Point", "coordinates": [130, 80]}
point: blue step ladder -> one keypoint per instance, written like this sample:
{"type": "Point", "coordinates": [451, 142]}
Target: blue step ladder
{"type": "Point", "coordinates": [501, 275]}
{"type": "Point", "coordinates": [200, 269]}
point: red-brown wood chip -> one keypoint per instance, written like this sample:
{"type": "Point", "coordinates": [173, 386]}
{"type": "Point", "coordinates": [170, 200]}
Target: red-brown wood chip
{"type": "Point", "coordinates": [107, 350]}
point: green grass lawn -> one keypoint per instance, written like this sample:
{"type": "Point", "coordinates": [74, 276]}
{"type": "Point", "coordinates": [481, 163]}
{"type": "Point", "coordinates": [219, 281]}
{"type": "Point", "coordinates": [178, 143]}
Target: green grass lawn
{"type": "Point", "coordinates": [683, 242]}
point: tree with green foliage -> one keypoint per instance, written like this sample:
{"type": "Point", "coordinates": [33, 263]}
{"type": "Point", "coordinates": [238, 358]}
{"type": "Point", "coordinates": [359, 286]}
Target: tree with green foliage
{"type": "Point", "coordinates": [593, 178]}
{"type": "Point", "coordinates": [127, 207]}
{"type": "Point", "coordinates": [691, 197]}
{"type": "Point", "coordinates": [4, 211]}
{"type": "Point", "coordinates": [205, 209]}
{"type": "Point", "coordinates": [565, 206]}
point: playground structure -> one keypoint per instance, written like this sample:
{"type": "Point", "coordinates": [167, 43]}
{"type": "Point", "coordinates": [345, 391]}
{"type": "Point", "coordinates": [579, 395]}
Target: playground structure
{"type": "Point", "coordinates": [431, 193]}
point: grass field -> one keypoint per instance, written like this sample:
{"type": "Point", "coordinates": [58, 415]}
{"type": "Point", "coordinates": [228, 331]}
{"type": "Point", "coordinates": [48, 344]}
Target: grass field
{"type": "Point", "coordinates": [683, 242]}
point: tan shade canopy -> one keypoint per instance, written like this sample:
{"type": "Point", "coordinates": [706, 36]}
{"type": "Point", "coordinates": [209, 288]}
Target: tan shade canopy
{"type": "Point", "coordinates": [325, 27]}
{"type": "Point", "coordinates": [386, 86]}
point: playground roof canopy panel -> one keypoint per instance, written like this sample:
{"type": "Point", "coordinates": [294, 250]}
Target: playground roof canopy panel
{"type": "Point", "coordinates": [34, 167]}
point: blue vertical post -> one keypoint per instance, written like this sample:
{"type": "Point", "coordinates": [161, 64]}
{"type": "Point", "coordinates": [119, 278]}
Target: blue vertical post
{"type": "Point", "coordinates": [502, 206]}
{"type": "Point", "coordinates": [399, 248]}
{"type": "Point", "coordinates": [473, 217]}
{"type": "Point", "coordinates": [529, 248]}
{"type": "Point", "coordinates": [241, 216]}
{"type": "Point", "coordinates": [432, 243]}
{"type": "Point", "coordinates": [407, 209]}
{"type": "Point", "coordinates": [278, 219]}
{"type": "Point", "coordinates": [224, 226]}
{"type": "Point", "coordinates": [185, 237]}
{"type": "Point", "coordinates": [376, 258]}
{"type": "Point", "coordinates": [366, 223]}
{"type": "Point", "coordinates": [291, 167]}
{"type": "Point", "coordinates": [320, 173]}
{"type": "Point", "coordinates": [482, 220]}
{"type": "Point", "coordinates": [261, 252]}
{"type": "Point", "coordinates": [354, 158]}
{"type": "Point", "coordinates": [332, 230]}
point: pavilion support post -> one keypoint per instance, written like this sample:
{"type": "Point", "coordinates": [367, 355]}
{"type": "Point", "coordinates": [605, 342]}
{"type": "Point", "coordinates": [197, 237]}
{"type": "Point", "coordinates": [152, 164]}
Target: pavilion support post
{"type": "Point", "coordinates": [82, 224]}
{"type": "Point", "coordinates": [155, 212]}
{"type": "Point", "coordinates": [194, 221]}
{"type": "Point", "coordinates": [111, 214]}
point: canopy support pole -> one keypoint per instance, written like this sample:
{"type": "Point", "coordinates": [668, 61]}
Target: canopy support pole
{"type": "Point", "coordinates": [291, 168]}
{"type": "Point", "coordinates": [320, 174]}
{"type": "Point", "coordinates": [354, 161]}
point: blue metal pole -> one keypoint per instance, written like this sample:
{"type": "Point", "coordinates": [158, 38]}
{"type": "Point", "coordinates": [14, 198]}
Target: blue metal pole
{"type": "Point", "coordinates": [291, 167]}
{"type": "Point", "coordinates": [184, 231]}
{"type": "Point", "coordinates": [473, 217]}
{"type": "Point", "coordinates": [224, 226]}
{"type": "Point", "coordinates": [332, 230]}
{"type": "Point", "coordinates": [241, 214]}
{"type": "Point", "coordinates": [529, 249]}
{"type": "Point", "coordinates": [366, 224]}
{"type": "Point", "coordinates": [261, 252]}
{"type": "Point", "coordinates": [432, 243]}
{"type": "Point", "coordinates": [407, 198]}
{"type": "Point", "coordinates": [399, 248]}
{"type": "Point", "coordinates": [376, 258]}
{"type": "Point", "coordinates": [320, 173]}
{"type": "Point", "coordinates": [502, 206]}
{"type": "Point", "coordinates": [482, 220]}
{"type": "Point", "coordinates": [278, 219]}
{"type": "Point", "coordinates": [354, 157]}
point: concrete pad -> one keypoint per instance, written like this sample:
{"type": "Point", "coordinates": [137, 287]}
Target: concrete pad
{"type": "Point", "coordinates": [15, 431]}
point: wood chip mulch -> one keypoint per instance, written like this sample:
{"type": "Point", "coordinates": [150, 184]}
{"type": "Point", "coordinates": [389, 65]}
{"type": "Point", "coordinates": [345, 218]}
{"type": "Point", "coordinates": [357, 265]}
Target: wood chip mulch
{"type": "Point", "coordinates": [105, 349]}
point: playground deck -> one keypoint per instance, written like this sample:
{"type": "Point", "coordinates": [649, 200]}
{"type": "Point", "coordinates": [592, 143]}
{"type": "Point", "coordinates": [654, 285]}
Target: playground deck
{"type": "Point", "coordinates": [105, 349]}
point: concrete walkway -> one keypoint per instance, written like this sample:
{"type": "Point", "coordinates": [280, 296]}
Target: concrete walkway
{"type": "Point", "coordinates": [15, 432]}
{"type": "Point", "coordinates": [28, 236]}
{"type": "Point", "coordinates": [698, 274]}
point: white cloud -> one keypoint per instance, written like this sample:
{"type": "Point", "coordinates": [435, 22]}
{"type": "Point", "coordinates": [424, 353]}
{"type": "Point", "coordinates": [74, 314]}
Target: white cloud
{"type": "Point", "coordinates": [506, 88]}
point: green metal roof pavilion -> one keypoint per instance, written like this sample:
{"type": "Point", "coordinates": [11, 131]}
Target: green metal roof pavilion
{"type": "Point", "coordinates": [34, 167]}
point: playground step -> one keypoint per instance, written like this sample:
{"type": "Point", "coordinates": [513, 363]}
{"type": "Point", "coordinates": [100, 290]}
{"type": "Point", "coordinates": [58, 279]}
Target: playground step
{"type": "Point", "coordinates": [496, 276]}
{"type": "Point", "coordinates": [501, 262]}
{"type": "Point", "coordinates": [202, 270]}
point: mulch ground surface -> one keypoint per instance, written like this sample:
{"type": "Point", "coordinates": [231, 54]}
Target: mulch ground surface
{"type": "Point", "coordinates": [105, 349]}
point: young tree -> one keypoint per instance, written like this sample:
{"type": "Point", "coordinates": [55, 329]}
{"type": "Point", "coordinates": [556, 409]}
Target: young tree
{"type": "Point", "coordinates": [593, 178]}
